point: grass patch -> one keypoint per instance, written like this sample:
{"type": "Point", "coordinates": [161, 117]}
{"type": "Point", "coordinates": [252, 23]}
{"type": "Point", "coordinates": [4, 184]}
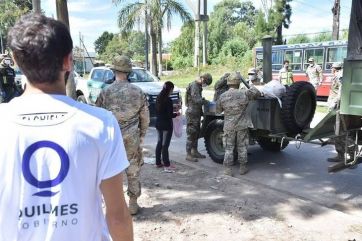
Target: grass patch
{"type": "Point", "coordinates": [322, 109]}
{"type": "Point", "coordinates": [181, 78]}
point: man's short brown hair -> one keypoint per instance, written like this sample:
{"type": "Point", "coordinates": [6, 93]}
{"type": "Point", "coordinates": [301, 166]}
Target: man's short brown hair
{"type": "Point", "coordinates": [39, 45]}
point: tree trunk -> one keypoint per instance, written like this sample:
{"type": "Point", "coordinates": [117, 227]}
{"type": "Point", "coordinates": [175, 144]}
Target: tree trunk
{"type": "Point", "coordinates": [153, 38]}
{"type": "Point", "coordinates": [159, 51]}
{"type": "Point", "coordinates": [336, 13]}
{"type": "Point", "coordinates": [62, 15]}
{"type": "Point", "coordinates": [36, 6]}
{"type": "Point", "coordinates": [279, 39]}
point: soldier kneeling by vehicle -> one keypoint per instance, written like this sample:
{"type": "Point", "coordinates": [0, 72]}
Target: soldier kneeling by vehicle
{"type": "Point", "coordinates": [234, 103]}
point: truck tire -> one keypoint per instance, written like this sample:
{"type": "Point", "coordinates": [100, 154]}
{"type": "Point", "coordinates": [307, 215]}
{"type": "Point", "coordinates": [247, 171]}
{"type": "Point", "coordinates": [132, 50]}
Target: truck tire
{"type": "Point", "coordinates": [213, 141]}
{"type": "Point", "coordinates": [269, 144]}
{"type": "Point", "coordinates": [298, 106]}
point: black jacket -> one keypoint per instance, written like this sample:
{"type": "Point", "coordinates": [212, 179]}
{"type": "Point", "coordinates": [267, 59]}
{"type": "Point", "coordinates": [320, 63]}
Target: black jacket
{"type": "Point", "coordinates": [164, 115]}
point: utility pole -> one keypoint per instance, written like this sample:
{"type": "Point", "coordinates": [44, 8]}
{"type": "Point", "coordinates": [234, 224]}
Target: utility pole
{"type": "Point", "coordinates": [197, 36]}
{"type": "Point", "coordinates": [204, 37]}
{"type": "Point", "coordinates": [62, 15]}
{"type": "Point", "coordinates": [1, 38]}
{"type": "Point", "coordinates": [36, 6]}
{"type": "Point", "coordinates": [146, 40]}
{"type": "Point", "coordinates": [336, 10]}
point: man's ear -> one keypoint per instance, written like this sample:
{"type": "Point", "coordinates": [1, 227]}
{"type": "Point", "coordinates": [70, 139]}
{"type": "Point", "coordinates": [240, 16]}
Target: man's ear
{"type": "Point", "coordinates": [68, 62]}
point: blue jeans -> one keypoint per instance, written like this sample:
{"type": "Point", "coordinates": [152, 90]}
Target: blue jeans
{"type": "Point", "coordinates": [164, 139]}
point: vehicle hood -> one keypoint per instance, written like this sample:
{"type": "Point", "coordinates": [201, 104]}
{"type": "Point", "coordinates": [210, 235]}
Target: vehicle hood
{"type": "Point", "coordinates": [153, 88]}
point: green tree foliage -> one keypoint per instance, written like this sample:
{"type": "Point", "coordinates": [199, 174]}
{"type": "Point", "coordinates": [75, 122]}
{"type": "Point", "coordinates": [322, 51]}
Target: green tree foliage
{"type": "Point", "coordinates": [301, 38]}
{"type": "Point", "coordinates": [182, 48]}
{"type": "Point", "coordinates": [281, 14]}
{"type": "Point", "coordinates": [245, 32]}
{"type": "Point", "coordinates": [223, 19]}
{"type": "Point", "coordinates": [101, 43]}
{"type": "Point", "coordinates": [326, 36]}
{"type": "Point", "coordinates": [9, 13]}
{"type": "Point", "coordinates": [131, 45]}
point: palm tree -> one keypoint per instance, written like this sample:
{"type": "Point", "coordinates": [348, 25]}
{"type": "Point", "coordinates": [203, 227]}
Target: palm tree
{"type": "Point", "coordinates": [131, 13]}
{"type": "Point", "coordinates": [167, 8]}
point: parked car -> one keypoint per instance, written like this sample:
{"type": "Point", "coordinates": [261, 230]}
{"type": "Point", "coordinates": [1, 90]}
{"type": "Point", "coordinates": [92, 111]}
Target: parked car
{"type": "Point", "coordinates": [101, 77]}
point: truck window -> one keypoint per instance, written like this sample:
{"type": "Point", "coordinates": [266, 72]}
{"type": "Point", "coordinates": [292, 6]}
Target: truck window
{"type": "Point", "coordinates": [97, 75]}
{"type": "Point", "coordinates": [317, 54]}
{"type": "Point", "coordinates": [295, 59]}
{"type": "Point", "coordinates": [335, 54]}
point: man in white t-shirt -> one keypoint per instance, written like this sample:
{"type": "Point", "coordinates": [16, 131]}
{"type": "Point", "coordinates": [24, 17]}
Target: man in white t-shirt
{"type": "Point", "coordinates": [57, 156]}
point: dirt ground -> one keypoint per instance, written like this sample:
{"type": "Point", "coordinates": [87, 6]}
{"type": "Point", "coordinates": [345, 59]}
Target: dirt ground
{"type": "Point", "coordinates": [193, 204]}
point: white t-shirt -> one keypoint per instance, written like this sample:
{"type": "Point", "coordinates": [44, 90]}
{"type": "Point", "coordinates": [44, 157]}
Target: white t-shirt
{"type": "Point", "coordinates": [54, 153]}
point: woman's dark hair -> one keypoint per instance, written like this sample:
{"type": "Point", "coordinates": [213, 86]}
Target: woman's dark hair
{"type": "Point", "coordinates": [39, 45]}
{"type": "Point", "coordinates": [163, 95]}
{"type": "Point", "coordinates": [286, 61]}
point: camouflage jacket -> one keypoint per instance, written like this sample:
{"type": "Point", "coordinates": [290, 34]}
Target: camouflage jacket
{"type": "Point", "coordinates": [335, 91]}
{"type": "Point", "coordinates": [315, 74]}
{"type": "Point", "coordinates": [234, 103]}
{"type": "Point", "coordinates": [193, 98]}
{"type": "Point", "coordinates": [128, 104]}
{"type": "Point", "coordinates": [221, 86]}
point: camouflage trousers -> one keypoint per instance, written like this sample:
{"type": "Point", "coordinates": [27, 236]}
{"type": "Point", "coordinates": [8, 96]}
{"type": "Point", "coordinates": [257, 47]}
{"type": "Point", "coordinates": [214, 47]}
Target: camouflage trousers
{"type": "Point", "coordinates": [340, 143]}
{"type": "Point", "coordinates": [135, 158]}
{"type": "Point", "coordinates": [192, 131]}
{"type": "Point", "coordinates": [239, 140]}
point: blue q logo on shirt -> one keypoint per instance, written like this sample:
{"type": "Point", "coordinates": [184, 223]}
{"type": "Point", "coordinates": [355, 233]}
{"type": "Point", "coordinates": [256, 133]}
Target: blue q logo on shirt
{"type": "Point", "coordinates": [29, 177]}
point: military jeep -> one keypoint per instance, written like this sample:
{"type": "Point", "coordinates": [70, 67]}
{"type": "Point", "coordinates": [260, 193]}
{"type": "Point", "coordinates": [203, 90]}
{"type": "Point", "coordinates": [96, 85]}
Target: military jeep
{"type": "Point", "coordinates": [273, 125]}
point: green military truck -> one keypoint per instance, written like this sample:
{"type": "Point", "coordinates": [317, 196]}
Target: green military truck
{"type": "Point", "coordinates": [275, 126]}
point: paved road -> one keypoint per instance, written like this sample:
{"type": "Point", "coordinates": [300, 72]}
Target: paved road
{"type": "Point", "coordinates": [299, 172]}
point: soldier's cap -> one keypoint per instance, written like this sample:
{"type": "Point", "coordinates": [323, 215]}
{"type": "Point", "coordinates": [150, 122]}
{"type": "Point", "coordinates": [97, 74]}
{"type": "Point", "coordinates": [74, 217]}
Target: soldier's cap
{"type": "Point", "coordinates": [337, 65]}
{"type": "Point", "coordinates": [121, 63]}
{"type": "Point", "coordinates": [234, 79]}
{"type": "Point", "coordinates": [251, 71]}
{"type": "Point", "coordinates": [311, 60]}
{"type": "Point", "coordinates": [207, 78]}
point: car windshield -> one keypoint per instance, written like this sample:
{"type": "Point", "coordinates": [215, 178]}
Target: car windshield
{"type": "Point", "coordinates": [141, 75]}
{"type": "Point", "coordinates": [97, 75]}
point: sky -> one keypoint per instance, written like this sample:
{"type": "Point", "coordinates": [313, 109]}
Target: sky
{"type": "Point", "coordinates": [92, 17]}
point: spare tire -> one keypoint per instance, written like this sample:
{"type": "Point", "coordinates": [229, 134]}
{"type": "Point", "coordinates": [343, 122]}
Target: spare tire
{"type": "Point", "coordinates": [298, 106]}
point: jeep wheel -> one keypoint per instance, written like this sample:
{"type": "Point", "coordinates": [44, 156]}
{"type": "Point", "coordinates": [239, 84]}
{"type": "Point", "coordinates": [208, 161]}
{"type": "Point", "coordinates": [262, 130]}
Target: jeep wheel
{"type": "Point", "coordinates": [213, 141]}
{"type": "Point", "coordinates": [270, 144]}
{"type": "Point", "coordinates": [299, 104]}
{"type": "Point", "coordinates": [82, 99]}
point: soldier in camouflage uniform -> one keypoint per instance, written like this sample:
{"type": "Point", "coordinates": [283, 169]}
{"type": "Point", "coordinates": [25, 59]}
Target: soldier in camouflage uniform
{"type": "Point", "coordinates": [221, 86]}
{"type": "Point", "coordinates": [333, 104]}
{"type": "Point", "coordinates": [234, 103]}
{"type": "Point", "coordinates": [314, 73]}
{"type": "Point", "coordinates": [129, 105]}
{"type": "Point", "coordinates": [7, 79]}
{"type": "Point", "coordinates": [194, 102]}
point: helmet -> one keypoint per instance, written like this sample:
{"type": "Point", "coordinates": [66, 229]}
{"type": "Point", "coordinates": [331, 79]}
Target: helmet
{"type": "Point", "coordinates": [207, 78]}
{"type": "Point", "coordinates": [311, 60]}
{"type": "Point", "coordinates": [251, 71]}
{"type": "Point", "coordinates": [234, 79]}
{"type": "Point", "coordinates": [337, 65]}
{"type": "Point", "coordinates": [121, 63]}
{"type": "Point", "coordinates": [5, 60]}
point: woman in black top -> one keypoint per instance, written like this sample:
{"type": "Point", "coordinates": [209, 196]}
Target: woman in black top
{"type": "Point", "coordinates": [164, 125]}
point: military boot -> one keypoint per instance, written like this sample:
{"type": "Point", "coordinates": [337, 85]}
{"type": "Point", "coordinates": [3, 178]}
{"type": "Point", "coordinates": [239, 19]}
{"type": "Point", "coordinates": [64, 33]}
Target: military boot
{"type": "Point", "coordinates": [243, 169]}
{"type": "Point", "coordinates": [196, 154]}
{"type": "Point", "coordinates": [228, 171]}
{"type": "Point", "coordinates": [133, 206]}
{"type": "Point", "coordinates": [337, 158]}
{"type": "Point", "coordinates": [191, 158]}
